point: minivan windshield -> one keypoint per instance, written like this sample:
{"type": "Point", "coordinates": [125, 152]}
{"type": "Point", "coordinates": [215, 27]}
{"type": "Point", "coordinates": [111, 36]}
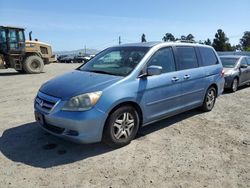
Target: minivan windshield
{"type": "Point", "coordinates": [118, 61]}
{"type": "Point", "coordinates": [229, 62]}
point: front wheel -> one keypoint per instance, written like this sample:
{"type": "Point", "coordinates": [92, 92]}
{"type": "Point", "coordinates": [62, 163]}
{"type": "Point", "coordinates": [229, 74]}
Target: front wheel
{"type": "Point", "coordinates": [33, 64]}
{"type": "Point", "coordinates": [235, 84]}
{"type": "Point", "coordinates": [121, 127]}
{"type": "Point", "coordinates": [209, 100]}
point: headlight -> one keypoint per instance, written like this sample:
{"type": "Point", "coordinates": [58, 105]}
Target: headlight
{"type": "Point", "coordinates": [227, 73]}
{"type": "Point", "coordinates": [82, 102]}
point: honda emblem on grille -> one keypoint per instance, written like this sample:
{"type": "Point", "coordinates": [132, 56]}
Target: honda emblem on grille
{"type": "Point", "coordinates": [40, 102]}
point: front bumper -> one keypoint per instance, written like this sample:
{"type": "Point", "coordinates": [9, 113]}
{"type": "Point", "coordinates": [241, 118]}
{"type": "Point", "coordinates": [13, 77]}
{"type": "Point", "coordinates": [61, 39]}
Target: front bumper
{"type": "Point", "coordinates": [80, 127]}
{"type": "Point", "coordinates": [228, 82]}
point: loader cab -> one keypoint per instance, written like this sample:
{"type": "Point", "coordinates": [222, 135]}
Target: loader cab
{"type": "Point", "coordinates": [12, 40]}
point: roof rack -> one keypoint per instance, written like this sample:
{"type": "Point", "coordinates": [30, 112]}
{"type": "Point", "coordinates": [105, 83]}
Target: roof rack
{"type": "Point", "coordinates": [12, 27]}
{"type": "Point", "coordinates": [187, 41]}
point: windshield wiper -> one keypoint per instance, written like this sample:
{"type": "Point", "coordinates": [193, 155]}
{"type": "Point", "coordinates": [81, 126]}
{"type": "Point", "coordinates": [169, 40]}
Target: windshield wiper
{"type": "Point", "coordinates": [102, 72]}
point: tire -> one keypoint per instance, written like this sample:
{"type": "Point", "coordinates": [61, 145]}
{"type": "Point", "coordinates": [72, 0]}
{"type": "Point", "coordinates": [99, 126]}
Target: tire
{"type": "Point", "coordinates": [209, 100]}
{"type": "Point", "coordinates": [121, 127]}
{"type": "Point", "coordinates": [33, 65]}
{"type": "Point", "coordinates": [234, 85]}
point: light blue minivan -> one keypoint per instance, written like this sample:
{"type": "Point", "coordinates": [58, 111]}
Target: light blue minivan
{"type": "Point", "coordinates": [126, 87]}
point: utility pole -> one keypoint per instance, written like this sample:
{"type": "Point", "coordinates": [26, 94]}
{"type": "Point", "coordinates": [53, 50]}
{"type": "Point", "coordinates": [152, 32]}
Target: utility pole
{"type": "Point", "coordinates": [120, 40]}
{"type": "Point", "coordinates": [85, 49]}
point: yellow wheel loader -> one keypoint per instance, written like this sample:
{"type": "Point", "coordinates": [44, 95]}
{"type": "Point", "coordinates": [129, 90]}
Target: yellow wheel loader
{"type": "Point", "coordinates": [24, 56]}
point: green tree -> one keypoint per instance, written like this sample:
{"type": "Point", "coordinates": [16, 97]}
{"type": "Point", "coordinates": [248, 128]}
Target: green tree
{"type": "Point", "coordinates": [200, 42]}
{"type": "Point", "coordinates": [183, 37]}
{"type": "Point", "coordinates": [190, 37]}
{"type": "Point", "coordinates": [237, 47]}
{"type": "Point", "coordinates": [245, 41]}
{"type": "Point", "coordinates": [208, 42]}
{"type": "Point", "coordinates": [168, 37]}
{"type": "Point", "coordinates": [143, 38]}
{"type": "Point", "coordinates": [221, 42]}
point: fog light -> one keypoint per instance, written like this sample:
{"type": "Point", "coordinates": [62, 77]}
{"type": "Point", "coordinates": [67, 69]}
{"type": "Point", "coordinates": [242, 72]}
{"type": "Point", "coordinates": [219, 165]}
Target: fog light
{"type": "Point", "coordinates": [72, 133]}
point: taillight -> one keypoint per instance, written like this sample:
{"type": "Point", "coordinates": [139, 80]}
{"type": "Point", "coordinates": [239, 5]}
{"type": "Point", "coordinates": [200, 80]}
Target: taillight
{"type": "Point", "coordinates": [222, 73]}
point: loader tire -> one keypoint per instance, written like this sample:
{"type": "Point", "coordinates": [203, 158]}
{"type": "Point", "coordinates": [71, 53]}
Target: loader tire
{"type": "Point", "coordinates": [33, 64]}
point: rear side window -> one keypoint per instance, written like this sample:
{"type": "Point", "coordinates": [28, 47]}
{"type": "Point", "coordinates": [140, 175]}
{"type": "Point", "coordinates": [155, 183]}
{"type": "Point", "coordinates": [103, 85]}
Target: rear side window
{"type": "Point", "coordinates": [186, 58]}
{"type": "Point", "coordinates": [208, 56]}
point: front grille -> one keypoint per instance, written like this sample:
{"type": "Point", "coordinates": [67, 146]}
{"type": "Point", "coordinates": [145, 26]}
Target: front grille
{"type": "Point", "coordinates": [45, 103]}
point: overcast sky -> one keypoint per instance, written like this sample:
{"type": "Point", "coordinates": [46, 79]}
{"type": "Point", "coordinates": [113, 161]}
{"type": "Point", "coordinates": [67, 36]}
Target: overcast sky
{"type": "Point", "coordinates": [69, 25]}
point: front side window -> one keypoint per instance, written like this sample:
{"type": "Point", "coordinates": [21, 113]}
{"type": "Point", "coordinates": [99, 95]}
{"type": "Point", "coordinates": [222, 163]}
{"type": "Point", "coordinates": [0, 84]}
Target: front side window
{"type": "Point", "coordinates": [248, 61]}
{"type": "Point", "coordinates": [186, 58]}
{"type": "Point", "coordinates": [118, 61]}
{"type": "Point", "coordinates": [2, 36]}
{"type": "Point", "coordinates": [3, 44]}
{"type": "Point", "coordinates": [208, 56]}
{"type": "Point", "coordinates": [229, 62]}
{"type": "Point", "coordinates": [164, 58]}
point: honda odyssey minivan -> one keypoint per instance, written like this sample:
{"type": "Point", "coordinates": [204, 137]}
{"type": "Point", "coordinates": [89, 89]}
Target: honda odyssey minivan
{"type": "Point", "coordinates": [126, 87]}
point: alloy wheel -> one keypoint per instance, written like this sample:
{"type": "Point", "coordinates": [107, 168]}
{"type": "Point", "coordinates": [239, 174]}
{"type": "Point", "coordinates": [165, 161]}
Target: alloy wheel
{"type": "Point", "coordinates": [123, 126]}
{"type": "Point", "coordinates": [235, 85]}
{"type": "Point", "coordinates": [210, 99]}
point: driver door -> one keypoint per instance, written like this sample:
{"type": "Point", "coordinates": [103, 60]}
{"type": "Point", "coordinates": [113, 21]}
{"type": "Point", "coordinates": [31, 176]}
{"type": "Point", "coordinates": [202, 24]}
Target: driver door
{"type": "Point", "coordinates": [16, 41]}
{"type": "Point", "coordinates": [161, 93]}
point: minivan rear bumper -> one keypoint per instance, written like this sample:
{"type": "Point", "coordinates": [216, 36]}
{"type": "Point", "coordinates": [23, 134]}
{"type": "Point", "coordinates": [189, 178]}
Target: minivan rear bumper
{"type": "Point", "coordinates": [220, 84]}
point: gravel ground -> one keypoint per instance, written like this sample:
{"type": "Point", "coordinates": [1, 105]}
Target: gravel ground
{"type": "Point", "coordinates": [192, 149]}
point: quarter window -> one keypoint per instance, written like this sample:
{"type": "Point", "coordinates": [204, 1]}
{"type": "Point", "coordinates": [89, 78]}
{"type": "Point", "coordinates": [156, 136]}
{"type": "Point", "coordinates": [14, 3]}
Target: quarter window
{"type": "Point", "coordinates": [208, 56]}
{"type": "Point", "coordinates": [164, 58]}
{"type": "Point", "coordinates": [186, 58]}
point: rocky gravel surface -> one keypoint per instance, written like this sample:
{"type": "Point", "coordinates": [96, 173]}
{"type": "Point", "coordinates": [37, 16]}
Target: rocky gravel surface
{"type": "Point", "coordinates": [192, 149]}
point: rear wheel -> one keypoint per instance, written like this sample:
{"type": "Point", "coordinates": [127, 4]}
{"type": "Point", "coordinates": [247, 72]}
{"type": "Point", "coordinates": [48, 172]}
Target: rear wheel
{"type": "Point", "coordinates": [235, 84]}
{"type": "Point", "coordinates": [121, 127]}
{"type": "Point", "coordinates": [209, 100]}
{"type": "Point", "coordinates": [33, 64]}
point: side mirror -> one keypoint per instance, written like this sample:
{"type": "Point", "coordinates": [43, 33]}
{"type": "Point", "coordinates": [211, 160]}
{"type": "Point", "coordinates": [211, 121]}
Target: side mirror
{"type": "Point", "coordinates": [243, 66]}
{"type": "Point", "coordinates": [154, 70]}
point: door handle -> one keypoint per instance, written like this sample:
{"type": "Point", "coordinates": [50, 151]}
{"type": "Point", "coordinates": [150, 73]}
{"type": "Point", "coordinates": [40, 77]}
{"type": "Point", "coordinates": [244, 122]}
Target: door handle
{"type": "Point", "coordinates": [175, 79]}
{"type": "Point", "coordinates": [186, 77]}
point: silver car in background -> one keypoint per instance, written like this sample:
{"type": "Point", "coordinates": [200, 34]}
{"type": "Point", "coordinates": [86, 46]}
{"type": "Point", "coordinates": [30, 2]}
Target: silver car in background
{"type": "Point", "coordinates": [237, 71]}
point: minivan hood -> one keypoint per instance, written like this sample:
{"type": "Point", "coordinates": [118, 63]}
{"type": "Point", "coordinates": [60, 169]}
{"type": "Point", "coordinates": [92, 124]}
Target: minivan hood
{"type": "Point", "coordinates": [77, 82]}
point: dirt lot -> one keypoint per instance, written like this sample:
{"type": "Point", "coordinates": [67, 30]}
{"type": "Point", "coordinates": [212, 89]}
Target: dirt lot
{"type": "Point", "coordinates": [189, 150]}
